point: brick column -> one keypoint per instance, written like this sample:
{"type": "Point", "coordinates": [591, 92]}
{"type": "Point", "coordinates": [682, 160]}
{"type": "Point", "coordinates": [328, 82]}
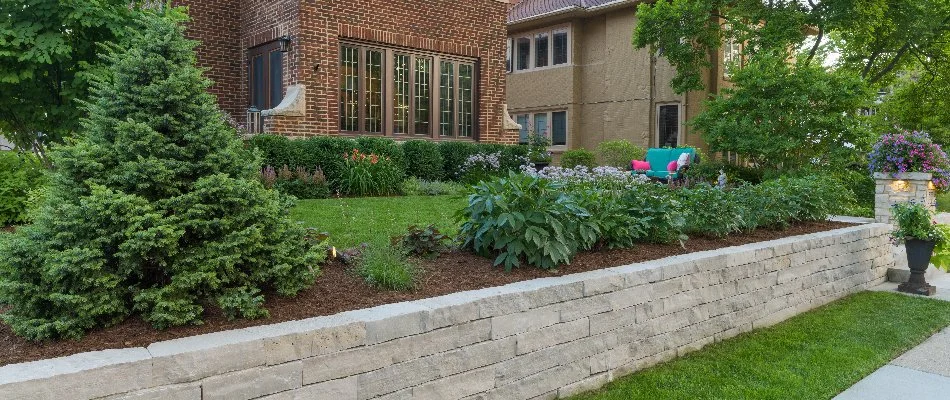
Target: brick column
{"type": "Point", "coordinates": [901, 188]}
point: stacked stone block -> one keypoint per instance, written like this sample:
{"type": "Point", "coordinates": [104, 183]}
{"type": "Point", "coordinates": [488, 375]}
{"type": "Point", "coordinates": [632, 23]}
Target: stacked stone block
{"type": "Point", "coordinates": [901, 188]}
{"type": "Point", "coordinates": [545, 338]}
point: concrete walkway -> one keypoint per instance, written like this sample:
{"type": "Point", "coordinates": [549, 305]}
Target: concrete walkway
{"type": "Point", "coordinates": [923, 373]}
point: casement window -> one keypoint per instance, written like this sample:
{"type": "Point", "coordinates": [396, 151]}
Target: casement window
{"type": "Point", "coordinates": [265, 76]}
{"type": "Point", "coordinates": [539, 49]}
{"type": "Point", "coordinates": [396, 92]}
{"type": "Point", "coordinates": [552, 124]}
{"type": "Point", "coordinates": [668, 125]}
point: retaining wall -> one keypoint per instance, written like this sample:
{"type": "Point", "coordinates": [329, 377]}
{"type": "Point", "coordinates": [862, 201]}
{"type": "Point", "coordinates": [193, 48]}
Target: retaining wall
{"type": "Point", "coordinates": [544, 338]}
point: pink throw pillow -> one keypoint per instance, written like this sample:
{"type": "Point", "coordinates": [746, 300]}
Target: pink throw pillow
{"type": "Point", "coordinates": [671, 166]}
{"type": "Point", "coordinates": [640, 165]}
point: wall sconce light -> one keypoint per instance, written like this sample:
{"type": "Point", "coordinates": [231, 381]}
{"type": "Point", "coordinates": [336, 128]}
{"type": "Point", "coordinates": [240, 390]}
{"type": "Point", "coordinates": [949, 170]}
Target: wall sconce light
{"type": "Point", "coordinates": [900, 186]}
{"type": "Point", "coordinates": [930, 185]}
{"type": "Point", "coordinates": [285, 42]}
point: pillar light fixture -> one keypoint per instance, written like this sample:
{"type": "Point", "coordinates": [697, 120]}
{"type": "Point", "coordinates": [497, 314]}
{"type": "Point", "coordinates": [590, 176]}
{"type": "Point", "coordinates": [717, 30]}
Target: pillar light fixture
{"type": "Point", "coordinates": [285, 42]}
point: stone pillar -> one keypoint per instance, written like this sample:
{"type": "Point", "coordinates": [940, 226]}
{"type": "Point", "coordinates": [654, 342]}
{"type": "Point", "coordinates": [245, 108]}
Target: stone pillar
{"type": "Point", "coordinates": [901, 188]}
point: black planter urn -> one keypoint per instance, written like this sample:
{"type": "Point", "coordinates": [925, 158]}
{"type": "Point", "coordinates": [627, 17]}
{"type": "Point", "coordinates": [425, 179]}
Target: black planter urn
{"type": "Point", "coordinates": [918, 259]}
{"type": "Point", "coordinates": [538, 166]}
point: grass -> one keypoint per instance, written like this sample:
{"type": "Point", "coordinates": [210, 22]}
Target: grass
{"type": "Point", "coordinates": [387, 268]}
{"type": "Point", "coordinates": [943, 202]}
{"type": "Point", "coordinates": [816, 355]}
{"type": "Point", "coordinates": [351, 221]}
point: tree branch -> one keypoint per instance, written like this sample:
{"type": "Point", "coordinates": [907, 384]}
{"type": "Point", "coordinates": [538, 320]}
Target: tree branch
{"type": "Point", "coordinates": [814, 49]}
{"type": "Point", "coordinates": [890, 65]}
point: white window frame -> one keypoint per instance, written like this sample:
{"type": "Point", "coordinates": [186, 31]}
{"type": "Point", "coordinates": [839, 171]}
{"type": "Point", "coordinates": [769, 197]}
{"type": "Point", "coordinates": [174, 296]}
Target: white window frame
{"type": "Point", "coordinates": [549, 117]}
{"type": "Point", "coordinates": [679, 123]}
{"type": "Point", "coordinates": [731, 54]}
{"type": "Point", "coordinates": [531, 36]}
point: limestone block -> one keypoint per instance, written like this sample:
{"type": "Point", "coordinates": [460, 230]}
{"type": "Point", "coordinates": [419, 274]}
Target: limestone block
{"type": "Point", "coordinates": [192, 358]}
{"type": "Point", "coordinates": [609, 321]}
{"type": "Point", "coordinates": [583, 385]}
{"type": "Point", "coordinates": [542, 360]}
{"type": "Point", "coordinates": [81, 376]}
{"type": "Point", "coordinates": [415, 372]}
{"type": "Point", "coordinates": [187, 391]}
{"type": "Point", "coordinates": [605, 281]}
{"type": "Point", "coordinates": [553, 335]}
{"type": "Point", "coordinates": [541, 383]}
{"type": "Point", "coordinates": [392, 321]}
{"type": "Point", "coordinates": [512, 324]}
{"type": "Point", "coordinates": [456, 386]}
{"type": "Point", "coordinates": [295, 340]}
{"type": "Point", "coordinates": [340, 389]}
{"type": "Point", "coordinates": [252, 383]}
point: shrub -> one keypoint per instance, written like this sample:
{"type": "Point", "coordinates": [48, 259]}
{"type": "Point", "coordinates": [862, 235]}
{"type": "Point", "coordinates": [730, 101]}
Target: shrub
{"type": "Point", "coordinates": [911, 152]}
{"type": "Point", "coordinates": [423, 160]}
{"type": "Point", "coordinates": [419, 187]}
{"type": "Point", "coordinates": [454, 155]}
{"type": "Point", "coordinates": [709, 210]}
{"type": "Point", "coordinates": [20, 173]}
{"type": "Point", "coordinates": [275, 150]}
{"type": "Point", "coordinates": [523, 218]}
{"type": "Point", "coordinates": [326, 153]}
{"type": "Point", "coordinates": [538, 148]}
{"type": "Point", "coordinates": [582, 157]}
{"type": "Point", "coordinates": [619, 153]}
{"type": "Point", "coordinates": [707, 171]}
{"type": "Point", "coordinates": [386, 267]}
{"type": "Point", "coordinates": [150, 217]}
{"type": "Point", "coordinates": [659, 210]}
{"type": "Point", "coordinates": [370, 175]}
{"type": "Point", "coordinates": [513, 158]}
{"type": "Point", "coordinates": [616, 226]}
{"type": "Point", "coordinates": [425, 242]}
{"type": "Point", "coordinates": [380, 146]}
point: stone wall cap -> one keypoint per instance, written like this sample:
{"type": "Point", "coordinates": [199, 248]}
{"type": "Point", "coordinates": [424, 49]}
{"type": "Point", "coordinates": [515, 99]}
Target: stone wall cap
{"type": "Point", "coordinates": [41, 369]}
{"type": "Point", "coordinates": [910, 176]}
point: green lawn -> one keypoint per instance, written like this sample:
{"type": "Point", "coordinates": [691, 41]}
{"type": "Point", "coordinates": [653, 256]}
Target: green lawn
{"type": "Point", "coordinates": [815, 355]}
{"type": "Point", "coordinates": [943, 202]}
{"type": "Point", "coordinates": [351, 221]}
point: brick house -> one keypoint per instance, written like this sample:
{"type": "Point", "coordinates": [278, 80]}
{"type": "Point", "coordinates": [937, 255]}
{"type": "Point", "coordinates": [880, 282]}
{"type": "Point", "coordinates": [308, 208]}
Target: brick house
{"type": "Point", "coordinates": [574, 73]}
{"type": "Point", "coordinates": [403, 69]}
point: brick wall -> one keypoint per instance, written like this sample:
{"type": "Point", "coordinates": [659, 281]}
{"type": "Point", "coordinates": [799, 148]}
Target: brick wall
{"type": "Point", "coordinates": [215, 24]}
{"type": "Point", "coordinates": [466, 28]}
{"type": "Point", "coordinates": [549, 337]}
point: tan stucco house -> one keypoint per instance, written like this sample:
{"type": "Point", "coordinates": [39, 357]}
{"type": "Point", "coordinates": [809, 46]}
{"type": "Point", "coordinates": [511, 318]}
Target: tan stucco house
{"type": "Point", "coordinates": [574, 74]}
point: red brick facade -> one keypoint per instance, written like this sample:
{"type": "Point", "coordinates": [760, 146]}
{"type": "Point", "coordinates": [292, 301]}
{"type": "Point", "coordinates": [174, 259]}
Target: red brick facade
{"type": "Point", "coordinates": [227, 28]}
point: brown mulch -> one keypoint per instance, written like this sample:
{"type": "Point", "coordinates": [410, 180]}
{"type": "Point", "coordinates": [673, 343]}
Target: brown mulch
{"type": "Point", "coordinates": [339, 290]}
{"type": "Point", "coordinates": [9, 228]}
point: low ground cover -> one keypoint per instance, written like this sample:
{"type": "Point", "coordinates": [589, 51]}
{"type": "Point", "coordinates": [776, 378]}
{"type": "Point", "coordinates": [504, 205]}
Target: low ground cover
{"type": "Point", "coordinates": [352, 221]}
{"type": "Point", "coordinates": [815, 355]}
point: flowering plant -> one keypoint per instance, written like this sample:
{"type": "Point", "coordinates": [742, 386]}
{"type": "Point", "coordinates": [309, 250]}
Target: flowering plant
{"type": "Point", "coordinates": [905, 151]}
{"type": "Point", "coordinates": [914, 221]}
{"type": "Point", "coordinates": [481, 166]}
{"type": "Point", "coordinates": [369, 175]}
{"type": "Point", "coordinates": [607, 178]}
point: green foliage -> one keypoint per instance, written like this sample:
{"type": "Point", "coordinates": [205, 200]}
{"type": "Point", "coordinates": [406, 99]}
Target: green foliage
{"type": "Point", "coordinates": [708, 171]}
{"type": "Point", "coordinates": [782, 115]}
{"type": "Point", "coordinates": [419, 187]}
{"type": "Point", "coordinates": [538, 148]}
{"type": "Point", "coordinates": [659, 210]}
{"type": "Point", "coordinates": [521, 218]}
{"type": "Point", "coordinates": [150, 216]}
{"type": "Point", "coordinates": [370, 175]}
{"type": "Point", "coordinates": [454, 155]}
{"type": "Point", "coordinates": [513, 157]}
{"type": "Point", "coordinates": [915, 221]}
{"type": "Point", "coordinates": [299, 183]}
{"type": "Point", "coordinates": [575, 157]}
{"type": "Point", "coordinates": [386, 267]}
{"type": "Point", "coordinates": [423, 160]}
{"type": "Point", "coordinates": [48, 59]}
{"type": "Point", "coordinates": [941, 253]}
{"type": "Point", "coordinates": [20, 173]}
{"type": "Point", "coordinates": [709, 210]}
{"type": "Point", "coordinates": [615, 224]}
{"type": "Point", "coordinates": [425, 242]}
{"type": "Point", "coordinates": [918, 103]}
{"type": "Point", "coordinates": [619, 153]}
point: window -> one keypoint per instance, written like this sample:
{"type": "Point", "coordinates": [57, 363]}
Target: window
{"type": "Point", "coordinates": [552, 124]}
{"type": "Point", "coordinates": [668, 125]}
{"type": "Point", "coordinates": [266, 76]}
{"type": "Point", "coordinates": [540, 49]}
{"type": "Point", "coordinates": [508, 56]}
{"type": "Point", "coordinates": [394, 92]}
{"type": "Point", "coordinates": [524, 53]}
{"type": "Point", "coordinates": [731, 54]}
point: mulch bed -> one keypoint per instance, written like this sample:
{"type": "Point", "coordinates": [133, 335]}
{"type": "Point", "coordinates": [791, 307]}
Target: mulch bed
{"type": "Point", "coordinates": [339, 290]}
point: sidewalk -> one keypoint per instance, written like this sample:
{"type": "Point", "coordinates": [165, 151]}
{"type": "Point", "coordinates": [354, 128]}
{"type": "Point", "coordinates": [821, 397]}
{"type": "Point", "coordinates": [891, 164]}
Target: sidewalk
{"type": "Point", "coordinates": [923, 373]}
